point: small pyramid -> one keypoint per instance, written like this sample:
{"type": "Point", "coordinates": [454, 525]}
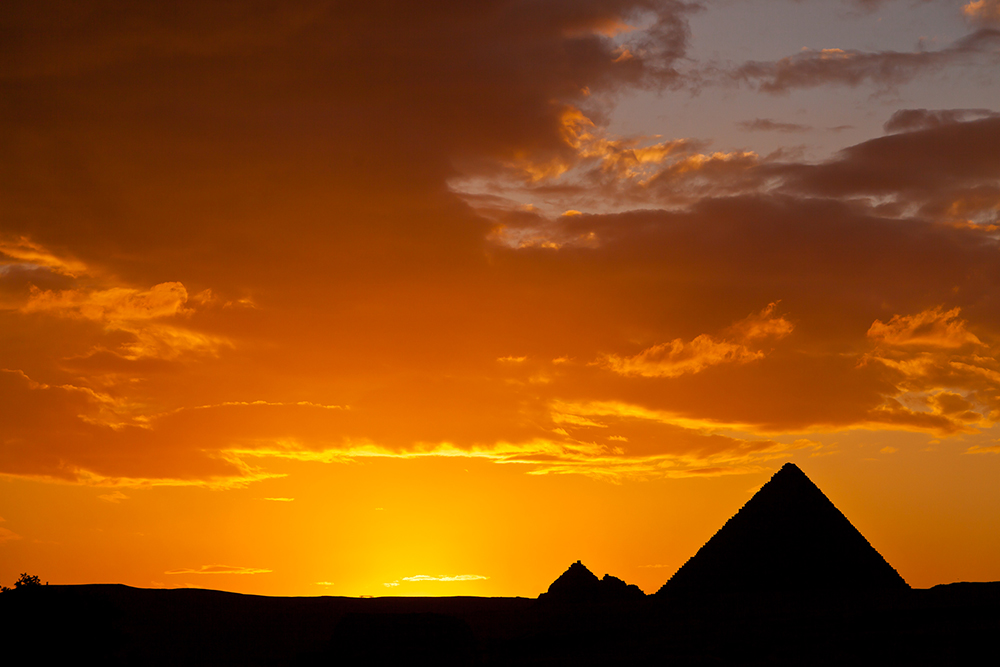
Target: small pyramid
{"type": "Point", "coordinates": [579, 584]}
{"type": "Point", "coordinates": [788, 538]}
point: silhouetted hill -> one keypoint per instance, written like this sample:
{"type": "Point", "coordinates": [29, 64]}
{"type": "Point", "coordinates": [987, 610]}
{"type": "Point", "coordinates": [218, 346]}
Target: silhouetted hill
{"type": "Point", "coordinates": [579, 585]}
{"type": "Point", "coordinates": [788, 538]}
{"type": "Point", "coordinates": [953, 624]}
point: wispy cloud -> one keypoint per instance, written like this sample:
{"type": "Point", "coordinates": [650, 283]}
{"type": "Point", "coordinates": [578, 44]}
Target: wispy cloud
{"type": "Point", "coordinates": [679, 357]}
{"type": "Point", "coordinates": [442, 578]}
{"type": "Point", "coordinates": [768, 125]}
{"type": "Point", "coordinates": [886, 69]}
{"type": "Point", "coordinates": [6, 534]}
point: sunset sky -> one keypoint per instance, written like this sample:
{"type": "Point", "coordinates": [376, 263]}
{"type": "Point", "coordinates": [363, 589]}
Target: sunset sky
{"type": "Point", "coordinates": [436, 298]}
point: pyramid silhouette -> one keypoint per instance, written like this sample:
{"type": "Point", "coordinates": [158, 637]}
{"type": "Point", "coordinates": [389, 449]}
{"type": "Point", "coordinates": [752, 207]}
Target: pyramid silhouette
{"type": "Point", "coordinates": [579, 584]}
{"type": "Point", "coordinates": [788, 538]}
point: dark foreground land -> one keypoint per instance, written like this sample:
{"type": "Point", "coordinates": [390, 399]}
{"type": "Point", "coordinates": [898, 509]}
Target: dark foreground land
{"type": "Point", "coordinates": [955, 624]}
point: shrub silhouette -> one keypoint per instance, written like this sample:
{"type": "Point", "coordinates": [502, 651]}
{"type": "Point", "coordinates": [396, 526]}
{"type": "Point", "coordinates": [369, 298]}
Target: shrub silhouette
{"type": "Point", "coordinates": [24, 581]}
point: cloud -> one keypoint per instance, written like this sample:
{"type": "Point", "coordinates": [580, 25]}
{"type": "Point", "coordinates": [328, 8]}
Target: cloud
{"type": "Point", "coordinates": [906, 120]}
{"type": "Point", "coordinates": [763, 324]}
{"type": "Point", "coordinates": [946, 171]}
{"type": "Point", "coordinates": [939, 164]}
{"type": "Point", "coordinates": [218, 569]}
{"type": "Point", "coordinates": [510, 359]}
{"type": "Point", "coordinates": [679, 357]}
{"type": "Point", "coordinates": [934, 328]}
{"type": "Point", "coordinates": [983, 12]}
{"type": "Point", "coordinates": [6, 535]}
{"type": "Point", "coordinates": [983, 449]}
{"type": "Point", "coordinates": [443, 578]}
{"type": "Point", "coordinates": [133, 312]}
{"type": "Point", "coordinates": [112, 305]}
{"type": "Point", "coordinates": [281, 500]}
{"type": "Point", "coordinates": [885, 69]}
{"type": "Point", "coordinates": [944, 381]}
{"type": "Point", "coordinates": [22, 251]}
{"type": "Point", "coordinates": [768, 125]}
{"type": "Point", "coordinates": [113, 497]}
{"type": "Point", "coordinates": [74, 434]}
{"type": "Point", "coordinates": [457, 577]}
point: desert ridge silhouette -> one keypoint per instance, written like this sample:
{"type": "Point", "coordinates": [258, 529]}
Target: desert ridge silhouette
{"type": "Point", "coordinates": [787, 539]}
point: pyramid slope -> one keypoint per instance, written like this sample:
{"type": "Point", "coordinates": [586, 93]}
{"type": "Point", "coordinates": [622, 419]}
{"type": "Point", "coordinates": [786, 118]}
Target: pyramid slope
{"type": "Point", "coordinates": [789, 537]}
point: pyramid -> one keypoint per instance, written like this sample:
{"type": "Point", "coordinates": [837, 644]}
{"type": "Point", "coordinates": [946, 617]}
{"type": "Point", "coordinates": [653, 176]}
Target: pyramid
{"type": "Point", "coordinates": [579, 584]}
{"type": "Point", "coordinates": [788, 538]}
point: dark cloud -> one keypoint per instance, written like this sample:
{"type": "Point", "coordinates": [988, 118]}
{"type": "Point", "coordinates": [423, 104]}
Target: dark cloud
{"type": "Point", "coordinates": [872, 5]}
{"type": "Point", "coordinates": [905, 120]}
{"type": "Point", "coordinates": [934, 169]}
{"type": "Point", "coordinates": [885, 69]}
{"type": "Point", "coordinates": [768, 125]}
{"type": "Point", "coordinates": [126, 127]}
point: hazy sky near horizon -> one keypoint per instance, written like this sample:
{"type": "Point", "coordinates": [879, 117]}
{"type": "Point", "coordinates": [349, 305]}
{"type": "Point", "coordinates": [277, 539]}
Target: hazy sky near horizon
{"type": "Point", "coordinates": [437, 298]}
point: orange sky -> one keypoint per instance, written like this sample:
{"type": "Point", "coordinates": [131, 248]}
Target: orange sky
{"type": "Point", "coordinates": [429, 298]}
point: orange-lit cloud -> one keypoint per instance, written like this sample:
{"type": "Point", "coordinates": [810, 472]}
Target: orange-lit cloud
{"type": "Point", "coordinates": [131, 311]}
{"type": "Point", "coordinates": [678, 357]}
{"type": "Point", "coordinates": [932, 328]}
{"type": "Point", "coordinates": [6, 534]}
{"type": "Point", "coordinates": [944, 380]}
{"type": "Point", "coordinates": [985, 12]}
{"type": "Point", "coordinates": [984, 449]}
{"type": "Point", "coordinates": [23, 252]}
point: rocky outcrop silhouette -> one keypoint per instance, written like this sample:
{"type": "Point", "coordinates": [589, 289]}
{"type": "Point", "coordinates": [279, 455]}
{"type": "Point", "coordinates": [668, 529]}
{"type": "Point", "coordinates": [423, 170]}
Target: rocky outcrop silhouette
{"type": "Point", "coordinates": [788, 538]}
{"type": "Point", "coordinates": [579, 585]}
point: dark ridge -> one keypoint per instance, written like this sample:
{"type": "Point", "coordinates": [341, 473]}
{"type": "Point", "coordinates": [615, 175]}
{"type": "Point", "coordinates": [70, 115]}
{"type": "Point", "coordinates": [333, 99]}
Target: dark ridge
{"type": "Point", "coordinates": [953, 624]}
{"type": "Point", "coordinates": [578, 584]}
{"type": "Point", "coordinates": [788, 538]}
